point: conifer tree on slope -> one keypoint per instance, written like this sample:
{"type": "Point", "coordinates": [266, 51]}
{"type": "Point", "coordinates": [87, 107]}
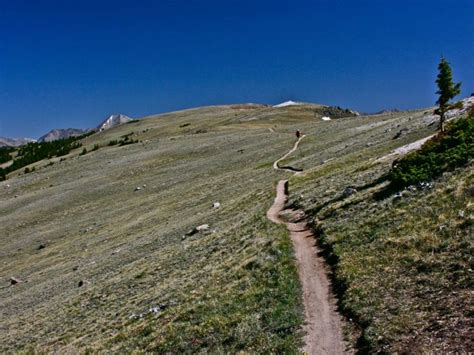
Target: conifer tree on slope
{"type": "Point", "coordinates": [447, 90]}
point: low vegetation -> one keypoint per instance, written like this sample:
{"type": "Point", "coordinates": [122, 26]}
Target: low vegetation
{"type": "Point", "coordinates": [5, 154]}
{"type": "Point", "coordinates": [36, 151]}
{"type": "Point", "coordinates": [254, 304]}
{"type": "Point", "coordinates": [125, 140]}
{"type": "Point", "coordinates": [401, 264]}
{"type": "Point", "coordinates": [402, 269]}
{"type": "Point", "coordinates": [117, 270]}
{"type": "Point", "coordinates": [446, 151]}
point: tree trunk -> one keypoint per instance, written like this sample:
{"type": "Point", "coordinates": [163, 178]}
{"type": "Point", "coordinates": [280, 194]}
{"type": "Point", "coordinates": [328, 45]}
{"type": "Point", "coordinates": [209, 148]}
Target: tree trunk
{"type": "Point", "coordinates": [441, 121]}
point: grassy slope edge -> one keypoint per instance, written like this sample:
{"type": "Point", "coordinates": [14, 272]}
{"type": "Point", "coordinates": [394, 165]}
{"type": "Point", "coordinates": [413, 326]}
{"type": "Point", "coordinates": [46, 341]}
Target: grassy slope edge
{"type": "Point", "coordinates": [402, 266]}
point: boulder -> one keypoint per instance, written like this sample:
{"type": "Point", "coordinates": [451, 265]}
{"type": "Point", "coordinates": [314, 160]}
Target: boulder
{"type": "Point", "coordinates": [349, 191]}
{"type": "Point", "coordinates": [202, 227]}
{"type": "Point", "coordinates": [14, 281]}
{"type": "Point", "coordinates": [400, 133]}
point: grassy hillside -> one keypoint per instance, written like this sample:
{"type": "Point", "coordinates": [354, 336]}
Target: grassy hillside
{"type": "Point", "coordinates": [106, 265]}
{"type": "Point", "coordinates": [402, 261]}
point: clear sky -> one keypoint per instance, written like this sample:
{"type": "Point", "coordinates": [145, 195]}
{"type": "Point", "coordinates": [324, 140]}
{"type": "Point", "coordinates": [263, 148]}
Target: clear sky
{"type": "Point", "coordinates": [72, 63]}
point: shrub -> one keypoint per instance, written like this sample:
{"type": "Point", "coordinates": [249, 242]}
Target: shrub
{"type": "Point", "coordinates": [84, 151]}
{"type": "Point", "coordinates": [444, 152]}
{"type": "Point", "coordinates": [27, 170]}
{"type": "Point", "coordinates": [96, 147]}
{"type": "Point", "coordinates": [5, 154]}
{"type": "Point", "coordinates": [33, 152]}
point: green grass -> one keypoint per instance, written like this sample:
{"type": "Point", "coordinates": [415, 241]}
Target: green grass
{"type": "Point", "coordinates": [401, 267]}
{"type": "Point", "coordinates": [233, 289]}
{"type": "Point", "coordinates": [406, 267]}
{"type": "Point", "coordinates": [128, 249]}
{"type": "Point", "coordinates": [253, 304]}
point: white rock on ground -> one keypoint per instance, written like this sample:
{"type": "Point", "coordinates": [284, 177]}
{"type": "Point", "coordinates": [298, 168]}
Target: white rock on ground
{"type": "Point", "coordinates": [326, 118]}
{"type": "Point", "coordinates": [202, 227]}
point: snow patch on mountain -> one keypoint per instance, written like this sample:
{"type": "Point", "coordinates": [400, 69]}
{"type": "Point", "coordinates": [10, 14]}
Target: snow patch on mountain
{"type": "Point", "coordinates": [288, 103]}
{"type": "Point", "coordinates": [112, 121]}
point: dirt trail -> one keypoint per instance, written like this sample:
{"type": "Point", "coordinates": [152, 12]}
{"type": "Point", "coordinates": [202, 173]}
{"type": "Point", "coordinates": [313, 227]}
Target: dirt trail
{"type": "Point", "coordinates": [322, 322]}
{"type": "Point", "coordinates": [288, 168]}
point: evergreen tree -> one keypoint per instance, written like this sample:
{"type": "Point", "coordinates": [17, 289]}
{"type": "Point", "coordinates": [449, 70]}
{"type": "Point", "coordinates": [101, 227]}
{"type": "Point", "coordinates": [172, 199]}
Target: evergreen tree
{"type": "Point", "coordinates": [447, 90]}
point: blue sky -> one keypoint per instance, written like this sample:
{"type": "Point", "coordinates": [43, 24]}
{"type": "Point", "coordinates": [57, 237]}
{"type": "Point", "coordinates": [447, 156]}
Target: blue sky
{"type": "Point", "coordinates": [71, 64]}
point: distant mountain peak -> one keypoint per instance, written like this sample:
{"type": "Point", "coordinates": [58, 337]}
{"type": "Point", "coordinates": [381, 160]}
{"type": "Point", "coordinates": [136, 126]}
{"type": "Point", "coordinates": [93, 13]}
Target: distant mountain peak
{"type": "Point", "coordinates": [15, 142]}
{"type": "Point", "coordinates": [112, 121]}
{"type": "Point", "coordinates": [61, 133]}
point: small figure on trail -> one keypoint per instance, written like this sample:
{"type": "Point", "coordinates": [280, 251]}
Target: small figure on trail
{"type": "Point", "coordinates": [298, 134]}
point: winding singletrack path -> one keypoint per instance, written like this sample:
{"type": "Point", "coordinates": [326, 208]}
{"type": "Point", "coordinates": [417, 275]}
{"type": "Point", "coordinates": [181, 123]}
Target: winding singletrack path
{"type": "Point", "coordinates": [291, 151]}
{"type": "Point", "coordinates": [323, 333]}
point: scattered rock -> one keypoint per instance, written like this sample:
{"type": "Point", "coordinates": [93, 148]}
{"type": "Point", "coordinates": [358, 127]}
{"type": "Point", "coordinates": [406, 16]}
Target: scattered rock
{"type": "Point", "coordinates": [41, 246]}
{"type": "Point", "coordinates": [144, 186]}
{"type": "Point", "coordinates": [216, 205]}
{"type": "Point", "coordinates": [75, 268]}
{"type": "Point", "coordinates": [80, 283]}
{"type": "Point", "coordinates": [425, 185]}
{"type": "Point", "coordinates": [397, 197]}
{"type": "Point", "coordinates": [152, 310]}
{"type": "Point", "coordinates": [348, 191]}
{"type": "Point", "coordinates": [138, 188]}
{"type": "Point", "coordinates": [15, 281]}
{"type": "Point", "coordinates": [202, 227]}
{"type": "Point", "coordinates": [461, 214]}
{"type": "Point", "coordinates": [400, 133]}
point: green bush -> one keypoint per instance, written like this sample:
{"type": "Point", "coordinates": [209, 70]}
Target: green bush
{"type": "Point", "coordinates": [33, 152]}
{"type": "Point", "coordinates": [5, 154]}
{"type": "Point", "coordinates": [444, 152]}
{"type": "Point", "coordinates": [84, 151]}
